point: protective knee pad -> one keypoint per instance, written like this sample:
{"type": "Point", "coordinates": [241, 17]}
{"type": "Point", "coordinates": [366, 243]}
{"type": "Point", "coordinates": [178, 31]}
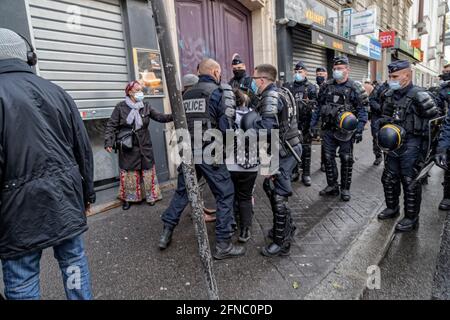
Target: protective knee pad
{"type": "Point", "coordinates": [391, 184]}
{"type": "Point", "coordinates": [346, 171]}
{"type": "Point", "coordinates": [413, 196]}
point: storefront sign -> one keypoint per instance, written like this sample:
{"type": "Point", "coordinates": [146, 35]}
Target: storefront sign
{"type": "Point", "coordinates": [417, 54]}
{"type": "Point", "coordinates": [324, 40]}
{"type": "Point", "coordinates": [312, 12]}
{"type": "Point", "coordinates": [375, 50]}
{"type": "Point", "coordinates": [363, 22]}
{"type": "Point", "coordinates": [387, 39]}
{"type": "Point", "coordinates": [416, 43]}
{"type": "Point", "coordinates": [368, 47]}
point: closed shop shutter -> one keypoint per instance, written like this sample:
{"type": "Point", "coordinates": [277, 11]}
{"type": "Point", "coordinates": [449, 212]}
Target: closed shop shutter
{"type": "Point", "coordinates": [303, 50]}
{"type": "Point", "coordinates": [89, 61]}
{"type": "Point", "coordinates": [359, 69]}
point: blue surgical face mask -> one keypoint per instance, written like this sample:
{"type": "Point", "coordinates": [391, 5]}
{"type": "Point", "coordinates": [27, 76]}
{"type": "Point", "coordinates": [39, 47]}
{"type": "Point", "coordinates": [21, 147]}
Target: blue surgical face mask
{"type": "Point", "coordinates": [395, 85]}
{"type": "Point", "coordinates": [338, 75]}
{"type": "Point", "coordinates": [299, 77]}
{"type": "Point", "coordinates": [139, 96]}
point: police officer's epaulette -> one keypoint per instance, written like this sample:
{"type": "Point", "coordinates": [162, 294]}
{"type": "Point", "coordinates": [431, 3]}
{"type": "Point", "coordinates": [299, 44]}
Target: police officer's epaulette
{"type": "Point", "coordinates": [329, 82]}
{"type": "Point", "coordinates": [226, 87]}
{"type": "Point", "coordinates": [388, 93]}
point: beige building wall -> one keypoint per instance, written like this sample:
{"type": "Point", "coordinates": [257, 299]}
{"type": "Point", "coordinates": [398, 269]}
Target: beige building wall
{"type": "Point", "coordinates": [264, 51]}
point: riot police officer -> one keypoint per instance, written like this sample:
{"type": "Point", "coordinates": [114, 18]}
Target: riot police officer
{"type": "Point", "coordinates": [321, 78]}
{"type": "Point", "coordinates": [444, 103]}
{"type": "Point", "coordinates": [443, 160]}
{"type": "Point", "coordinates": [375, 101]}
{"type": "Point", "coordinates": [342, 106]}
{"type": "Point", "coordinates": [210, 105]}
{"type": "Point", "coordinates": [277, 110]}
{"type": "Point", "coordinates": [305, 94]}
{"type": "Point", "coordinates": [241, 80]}
{"type": "Point", "coordinates": [406, 112]}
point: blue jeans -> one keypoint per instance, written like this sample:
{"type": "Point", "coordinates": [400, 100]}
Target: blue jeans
{"type": "Point", "coordinates": [21, 276]}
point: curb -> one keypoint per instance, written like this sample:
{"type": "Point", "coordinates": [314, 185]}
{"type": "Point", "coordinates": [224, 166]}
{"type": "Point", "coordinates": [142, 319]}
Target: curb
{"type": "Point", "coordinates": [348, 280]}
{"type": "Point", "coordinates": [116, 203]}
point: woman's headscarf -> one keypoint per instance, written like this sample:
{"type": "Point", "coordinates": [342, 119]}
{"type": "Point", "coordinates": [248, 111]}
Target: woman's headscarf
{"type": "Point", "coordinates": [134, 116]}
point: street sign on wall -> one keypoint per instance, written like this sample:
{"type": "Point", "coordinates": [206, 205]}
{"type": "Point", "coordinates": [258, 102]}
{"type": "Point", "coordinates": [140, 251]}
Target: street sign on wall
{"type": "Point", "coordinates": [326, 41]}
{"type": "Point", "coordinates": [312, 12]}
{"type": "Point", "coordinates": [363, 22]}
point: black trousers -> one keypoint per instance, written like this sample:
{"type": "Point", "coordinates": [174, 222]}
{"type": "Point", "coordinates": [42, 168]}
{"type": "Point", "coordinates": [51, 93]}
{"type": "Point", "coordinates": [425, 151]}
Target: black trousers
{"type": "Point", "coordinates": [244, 184]}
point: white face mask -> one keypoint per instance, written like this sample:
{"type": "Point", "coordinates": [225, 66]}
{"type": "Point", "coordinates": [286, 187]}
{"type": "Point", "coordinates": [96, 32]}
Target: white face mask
{"type": "Point", "coordinates": [338, 75]}
{"type": "Point", "coordinates": [139, 96]}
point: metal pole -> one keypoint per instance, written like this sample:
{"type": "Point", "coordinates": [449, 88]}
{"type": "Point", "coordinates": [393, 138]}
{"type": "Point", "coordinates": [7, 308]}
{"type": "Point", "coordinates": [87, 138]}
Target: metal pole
{"type": "Point", "coordinates": [174, 88]}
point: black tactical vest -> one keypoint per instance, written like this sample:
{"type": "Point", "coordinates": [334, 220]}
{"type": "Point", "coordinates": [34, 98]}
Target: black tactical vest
{"type": "Point", "coordinates": [287, 118]}
{"type": "Point", "coordinates": [196, 105]}
{"type": "Point", "coordinates": [402, 113]}
{"type": "Point", "coordinates": [337, 100]}
{"type": "Point", "coordinates": [305, 106]}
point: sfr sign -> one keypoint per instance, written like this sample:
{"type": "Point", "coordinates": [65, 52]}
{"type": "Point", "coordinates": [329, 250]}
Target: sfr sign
{"type": "Point", "coordinates": [387, 39]}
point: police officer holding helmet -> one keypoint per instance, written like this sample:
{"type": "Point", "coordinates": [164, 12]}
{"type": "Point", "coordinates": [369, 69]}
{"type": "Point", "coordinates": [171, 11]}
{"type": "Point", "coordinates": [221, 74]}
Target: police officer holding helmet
{"type": "Point", "coordinates": [216, 111]}
{"type": "Point", "coordinates": [305, 94]}
{"type": "Point", "coordinates": [406, 112]}
{"type": "Point", "coordinates": [342, 106]}
{"type": "Point", "coordinates": [277, 110]}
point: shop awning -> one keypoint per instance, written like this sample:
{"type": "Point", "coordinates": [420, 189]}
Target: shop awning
{"type": "Point", "coordinates": [327, 39]}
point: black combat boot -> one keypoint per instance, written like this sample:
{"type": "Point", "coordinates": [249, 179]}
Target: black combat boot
{"type": "Point", "coordinates": [283, 229]}
{"type": "Point", "coordinates": [226, 250]}
{"type": "Point", "coordinates": [413, 200]}
{"type": "Point", "coordinates": [306, 165]}
{"type": "Point", "coordinates": [392, 189]}
{"type": "Point", "coordinates": [332, 175]}
{"type": "Point", "coordinates": [166, 238]}
{"type": "Point", "coordinates": [445, 203]}
{"type": "Point", "coordinates": [346, 176]}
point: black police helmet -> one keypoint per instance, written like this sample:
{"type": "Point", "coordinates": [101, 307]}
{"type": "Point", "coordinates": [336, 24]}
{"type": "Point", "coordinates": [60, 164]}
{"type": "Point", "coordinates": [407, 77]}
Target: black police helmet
{"type": "Point", "coordinates": [391, 137]}
{"type": "Point", "coordinates": [347, 123]}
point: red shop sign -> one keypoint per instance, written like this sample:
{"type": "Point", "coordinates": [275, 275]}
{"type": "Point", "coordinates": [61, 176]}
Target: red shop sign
{"type": "Point", "coordinates": [387, 39]}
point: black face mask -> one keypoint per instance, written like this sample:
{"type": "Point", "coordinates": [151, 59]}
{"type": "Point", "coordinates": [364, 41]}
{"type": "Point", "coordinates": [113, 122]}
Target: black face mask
{"type": "Point", "coordinates": [239, 74]}
{"type": "Point", "coordinates": [320, 80]}
{"type": "Point", "coordinates": [446, 77]}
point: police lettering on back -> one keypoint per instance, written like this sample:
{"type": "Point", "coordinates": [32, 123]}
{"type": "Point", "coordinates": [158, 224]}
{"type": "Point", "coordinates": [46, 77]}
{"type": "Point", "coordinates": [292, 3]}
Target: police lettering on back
{"type": "Point", "coordinates": [195, 106]}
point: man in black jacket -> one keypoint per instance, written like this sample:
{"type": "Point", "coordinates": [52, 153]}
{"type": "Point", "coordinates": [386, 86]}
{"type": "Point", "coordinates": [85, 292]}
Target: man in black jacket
{"type": "Point", "coordinates": [46, 176]}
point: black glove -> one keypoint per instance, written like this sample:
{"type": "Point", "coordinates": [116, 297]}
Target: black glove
{"type": "Point", "coordinates": [441, 160]}
{"type": "Point", "coordinates": [358, 137]}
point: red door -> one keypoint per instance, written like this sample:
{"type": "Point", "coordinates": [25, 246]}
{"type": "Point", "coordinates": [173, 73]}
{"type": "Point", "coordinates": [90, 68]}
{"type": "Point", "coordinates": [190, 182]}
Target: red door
{"type": "Point", "coordinates": [215, 29]}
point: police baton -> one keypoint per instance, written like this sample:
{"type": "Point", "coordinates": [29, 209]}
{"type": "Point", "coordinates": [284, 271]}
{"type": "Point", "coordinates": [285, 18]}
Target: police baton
{"type": "Point", "coordinates": [174, 89]}
{"type": "Point", "coordinates": [294, 153]}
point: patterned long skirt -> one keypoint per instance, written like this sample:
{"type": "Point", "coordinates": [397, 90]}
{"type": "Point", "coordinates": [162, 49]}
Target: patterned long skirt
{"type": "Point", "coordinates": [135, 186]}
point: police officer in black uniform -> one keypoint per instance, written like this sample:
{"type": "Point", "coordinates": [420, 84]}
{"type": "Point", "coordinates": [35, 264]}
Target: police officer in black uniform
{"type": "Point", "coordinates": [321, 78]}
{"type": "Point", "coordinates": [444, 103]}
{"type": "Point", "coordinates": [305, 94]}
{"type": "Point", "coordinates": [406, 112]}
{"type": "Point", "coordinates": [443, 159]}
{"type": "Point", "coordinates": [211, 106]}
{"type": "Point", "coordinates": [277, 110]}
{"type": "Point", "coordinates": [342, 106]}
{"type": "Point", "coordinates": [375, 101]}
{"type": "Point", "coordinates": [241, 80]}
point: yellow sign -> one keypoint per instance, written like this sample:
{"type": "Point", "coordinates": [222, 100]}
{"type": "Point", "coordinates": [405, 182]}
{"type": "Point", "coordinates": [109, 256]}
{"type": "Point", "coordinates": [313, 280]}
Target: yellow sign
{"type": "Point", "coordinates": [338, 45]}
{"type": "Point", "coordinates": [315, 17]}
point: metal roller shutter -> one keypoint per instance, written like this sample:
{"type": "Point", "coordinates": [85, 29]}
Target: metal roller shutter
{"type": "Point", "coordinates": [90, 61]}
{"type": "Point", "coordinates": [359, 68]}
{"type": "Point", "coordinates": [303, 50]}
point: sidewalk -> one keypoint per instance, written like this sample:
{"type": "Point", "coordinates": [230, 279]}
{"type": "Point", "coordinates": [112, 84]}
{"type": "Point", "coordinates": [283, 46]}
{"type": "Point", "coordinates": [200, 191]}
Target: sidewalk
{"type": "Point", "coordinates": [126, 263]}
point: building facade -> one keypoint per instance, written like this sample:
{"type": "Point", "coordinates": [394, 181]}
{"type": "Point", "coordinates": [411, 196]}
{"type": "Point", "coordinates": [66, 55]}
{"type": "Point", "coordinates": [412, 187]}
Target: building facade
{"type": "Point", "coordinates": [92, 48]}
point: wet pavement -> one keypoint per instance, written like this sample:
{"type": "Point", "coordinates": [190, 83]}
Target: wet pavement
{"type": "Point", "coordinates": [126, 263]}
